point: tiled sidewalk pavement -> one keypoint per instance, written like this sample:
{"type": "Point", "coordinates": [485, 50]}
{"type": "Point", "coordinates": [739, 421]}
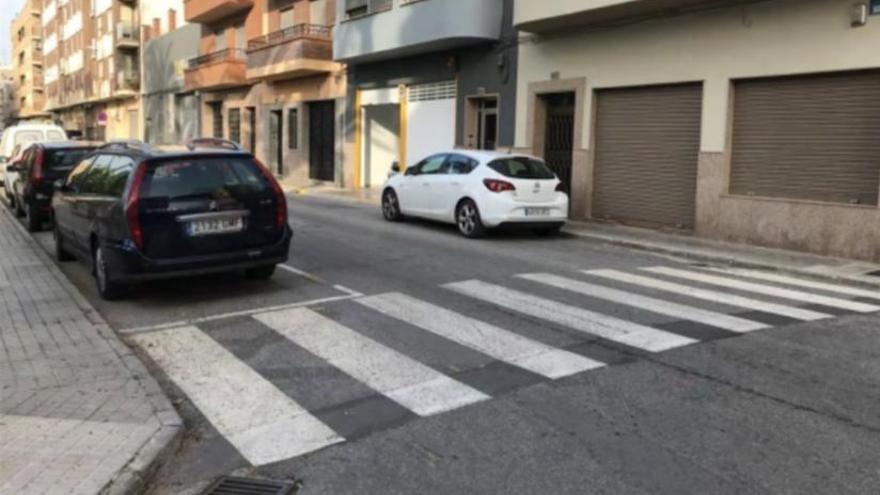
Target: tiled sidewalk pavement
{"type": "Point", "coordinates": [79, 413]}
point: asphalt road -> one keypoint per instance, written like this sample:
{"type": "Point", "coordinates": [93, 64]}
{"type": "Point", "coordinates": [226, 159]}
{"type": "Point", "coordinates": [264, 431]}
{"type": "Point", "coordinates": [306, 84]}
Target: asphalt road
{"type": "Point", "coordinates": [406, 359]}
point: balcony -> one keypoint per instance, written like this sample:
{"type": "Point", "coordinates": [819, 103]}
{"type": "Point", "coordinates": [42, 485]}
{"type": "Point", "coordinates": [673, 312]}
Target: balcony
{"type": "Point", "coordinates": [297, 51]}
{"type": "Point", "coordinates": [127, 35]}
{"type": "Point", "coordinates": [543, 17]}
{"type": "Point", "coordinates": [218, 70]}
{"type": "Point", "coordinates": [127, 84]}
{"type": "Point", "coordinates": [412, 28]}
{"type": "Point", "coordinates": [208, 11]}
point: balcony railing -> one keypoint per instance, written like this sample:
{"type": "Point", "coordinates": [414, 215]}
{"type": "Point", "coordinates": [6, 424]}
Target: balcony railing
{"type": "Point", "coordinates": [291, 33]}
{"type": "Point", "coordinates": [128, 81]}
{"type": "Point", "coordinates": [218, 56]}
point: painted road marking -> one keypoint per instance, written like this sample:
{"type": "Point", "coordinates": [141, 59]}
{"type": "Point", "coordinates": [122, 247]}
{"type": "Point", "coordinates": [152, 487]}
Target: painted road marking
{"type": "Point", "coordinates": [262, 422]}
{"type": "Point", "coordinates": [767, 290]}
{"type": "Point", "coordinates": [410, 383]}
{"type": "Point", "coordinates": [607, 327]}
{"type": "Point", "coordinates": [710, 295]}
{"type": "Point", "coordinates": [493, 341]}
{"type": "Point", "coordinates": [809, 284]}
{"type": "Point", "coordinates": [660, 306]}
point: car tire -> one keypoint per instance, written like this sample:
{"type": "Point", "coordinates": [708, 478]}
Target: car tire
{"type": "Point", "coordinates": [468, 221]}
{"type": "Point", "coordinates": [391, 206]}
{"type": "Point", "coordinates": [107, 289]}
{"type": "Point", "coordinates": [33, 220]}
{"type": "Point", "coordinates": [260, 272]}
{"type": "Point", "coordinates": [548, 231]}
{"type": "Point", "coordinates": [19, 212]}
{"type": "Point", "coordinates": [61, 254]}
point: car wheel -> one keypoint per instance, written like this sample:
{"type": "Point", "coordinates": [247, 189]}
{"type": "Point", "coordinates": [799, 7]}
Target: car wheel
{"type": "Point", "coordinates": [61, 254]}
{"type": "Point", "coordinates": [107, 289]}
{"type": "Point", "coordinates": [391, 206]}
{"type": "Point", "coordinates": [467, 218]}
{"type": "Point", "coordinates": [32, 219]}
{"type": "Point", "coordinates": [19, 212]}
{"type": "Point", "coordinates": [548, 231]}
{"type": "Point", "coordinates": [260, 272]}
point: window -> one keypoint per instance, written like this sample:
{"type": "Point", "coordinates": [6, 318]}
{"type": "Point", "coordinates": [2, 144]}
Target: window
{"type": "Point", "coordinates": [240, 41]}
{"type": "Point", "coordinates": [286, 17]}
{"type": "Point", "coordinates": [460, 165]}
{"type": "Point", "coordinates": [60, 162]}
{"type": "Point", "coordinates": [220, 39]}
{"type": "Point", "coordinates": [118, 174]}
{"type": "Point", "coordinates": [217, 108]}
{"type": "Point", "coordinates": [235, 125]}
{"type": "Point", "coordinates": [75, 177]}
{"type": "Point", "coordinates": [430, 165]}
{"type": "Point", "coordinates": [55, 136]}
{"type": "Point", "coordinates": [521, 168]}
{"type": "Point", "coordinates": [92, 180]}
{"type": "Point", "coordinates": [208, 177]}
{"type": "Point", "coordinates": [293, 128]}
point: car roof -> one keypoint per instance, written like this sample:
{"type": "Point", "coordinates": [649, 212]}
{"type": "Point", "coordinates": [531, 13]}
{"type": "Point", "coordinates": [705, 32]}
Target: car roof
{"type": "Point", "coordinates": [140, 149]}
{"type": "Point", "coordinates": [51, 145]}
{"type": "Point", "coordinates": [485, 155]}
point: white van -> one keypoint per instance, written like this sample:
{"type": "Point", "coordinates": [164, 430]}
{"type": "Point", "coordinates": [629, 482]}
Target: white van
{"type": "Point", "coordinates": [20, 136]}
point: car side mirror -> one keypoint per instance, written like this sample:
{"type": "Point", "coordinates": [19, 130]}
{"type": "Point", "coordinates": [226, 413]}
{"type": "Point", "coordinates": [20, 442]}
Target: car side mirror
{"type": "Point", "coordinates": [395, 167]}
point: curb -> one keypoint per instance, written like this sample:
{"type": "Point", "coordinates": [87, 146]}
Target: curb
{"type": "Point", "coordinates": [133, 477]}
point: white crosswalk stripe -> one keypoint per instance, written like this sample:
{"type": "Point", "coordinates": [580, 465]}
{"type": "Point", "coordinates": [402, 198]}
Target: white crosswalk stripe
{"type": "Point", "coordinates": [260, 421]}
{"type": "Point", "coordinates": [767, 290]}
{"type": "Point", "coordinates": [622, 331]}
{"type": "Point", "coordinates": [490, 340]}
{"type": "Point", "coordinates": [799, 282]}
{"type": "Point", "coordinates": [709, 295]}
{"type": "Point", "coordinates": [659, 306]}
{"type": "Point", "coordinates": [410, 383]}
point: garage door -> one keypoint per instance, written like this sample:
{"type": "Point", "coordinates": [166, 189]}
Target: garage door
{"type": "Point", "coordinates": [811, 137]}
{"type": "Point", "coordinates": [647, 146]}
{"type": "Point", "coordinates": [430, 120]}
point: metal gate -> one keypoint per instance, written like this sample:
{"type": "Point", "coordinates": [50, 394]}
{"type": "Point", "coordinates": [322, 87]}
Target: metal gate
{"type": "Point", "coordinates": [322, 139]}
{"type": "Point", "coordinates": [647, 147]}
{"type": "Point", "coordinates": [559, 137]}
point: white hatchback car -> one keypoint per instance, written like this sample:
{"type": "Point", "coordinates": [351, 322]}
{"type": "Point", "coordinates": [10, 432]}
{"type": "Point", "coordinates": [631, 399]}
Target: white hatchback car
{"type": "Point", "coordinates": [477, 190]}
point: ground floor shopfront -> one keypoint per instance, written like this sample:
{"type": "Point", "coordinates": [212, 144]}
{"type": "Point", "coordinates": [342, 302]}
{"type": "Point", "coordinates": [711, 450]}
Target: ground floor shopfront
{"type": "Point", "coordinates": [756, 123]}
{"type": "Point", "coordinates": [295, 127]}
{"type": "Point", "coordinates": [101, 121]}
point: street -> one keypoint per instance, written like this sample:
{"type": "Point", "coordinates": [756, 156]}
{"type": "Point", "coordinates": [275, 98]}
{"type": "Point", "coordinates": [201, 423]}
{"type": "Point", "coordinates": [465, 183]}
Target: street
{"type": "Point", "coordinates": [402, 358]}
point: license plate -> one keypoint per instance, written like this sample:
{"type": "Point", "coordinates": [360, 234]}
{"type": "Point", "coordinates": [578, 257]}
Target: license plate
{"type": "Point", "coordinates": [215, 226]}
{"type": "Point", "coordinates": [537, 212]}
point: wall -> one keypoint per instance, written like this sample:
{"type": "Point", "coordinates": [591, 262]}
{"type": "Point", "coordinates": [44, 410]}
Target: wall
{"type": "Point", "coordinates": [164, 58]}
{"type": "Point", "coordinates": [778, 37]}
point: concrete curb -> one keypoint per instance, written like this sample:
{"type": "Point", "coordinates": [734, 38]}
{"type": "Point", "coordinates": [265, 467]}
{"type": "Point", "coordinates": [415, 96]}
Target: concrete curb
{"type": "Point", "coordinates": [133, 477]}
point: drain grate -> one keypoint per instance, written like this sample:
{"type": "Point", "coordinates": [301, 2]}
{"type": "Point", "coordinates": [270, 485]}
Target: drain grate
{"type": "Point", "coordinates": [230, 485]}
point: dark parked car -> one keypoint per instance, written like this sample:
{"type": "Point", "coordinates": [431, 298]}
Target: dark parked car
{"type": "Point", "coordinates": [40, 165]}
{"type": "Point", "coordinates": [138, 213]}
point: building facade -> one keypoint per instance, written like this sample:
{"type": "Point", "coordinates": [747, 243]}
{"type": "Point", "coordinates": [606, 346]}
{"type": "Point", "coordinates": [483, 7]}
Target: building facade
{"type": "Point", "coordinates": [171, 113]}
{"type": "Point", "coordinates": [751, 122]}
{"type": "Point", "coordinates": [7, 97]}
{"type": "Point", "coordinates": [268, 81]}
{"type": "Point", "coordinates": [27, 61]}
{"type": "Point", "coordinates": [424, 76]}
{"type": "Point", "coordinates": [92, 60]}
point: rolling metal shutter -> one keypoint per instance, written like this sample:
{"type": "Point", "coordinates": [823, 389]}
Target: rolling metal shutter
{"type": "Point", "coordinates": [647, 147]}
{"type": "Point", "coordinates": [811, 137]}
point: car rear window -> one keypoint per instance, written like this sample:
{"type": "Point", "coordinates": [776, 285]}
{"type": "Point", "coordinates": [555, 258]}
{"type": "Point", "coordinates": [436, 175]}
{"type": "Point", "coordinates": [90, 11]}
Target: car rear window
{"type": "Point", "coordinates": [24, 137]}
{"type": "Point", "coordinates": [62, 161]}
{"type": "Point", "coordinates": [521, 168]}
{"type": "Point", "coordinates": [215, 178]}
{"type": "Point", "coordinates": [55, 136]}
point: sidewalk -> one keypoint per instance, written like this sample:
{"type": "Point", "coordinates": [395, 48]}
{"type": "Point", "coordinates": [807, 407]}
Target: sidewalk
{"type": "Point", "coordinates": [79, 413]}
{"type": "Point", "coordinates": [687, 246]}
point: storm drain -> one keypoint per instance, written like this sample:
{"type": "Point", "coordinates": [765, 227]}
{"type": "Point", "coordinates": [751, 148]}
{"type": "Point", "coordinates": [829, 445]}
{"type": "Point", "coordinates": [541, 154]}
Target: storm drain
{"type": "Point", "coordinates": [230, 485]}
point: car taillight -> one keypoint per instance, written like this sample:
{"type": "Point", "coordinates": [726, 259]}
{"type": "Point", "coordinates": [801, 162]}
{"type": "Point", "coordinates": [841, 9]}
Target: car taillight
{"type": "Point", "coordinates": [561, 188]}
{"type": "Point", "coordinates": [37, 173]}
{"type": "Point", "coordinates": [498, 186]}
{"type": "Point", "coordinates": [132, 207]}
{"type": "Point", "coordinates": [280, 199]}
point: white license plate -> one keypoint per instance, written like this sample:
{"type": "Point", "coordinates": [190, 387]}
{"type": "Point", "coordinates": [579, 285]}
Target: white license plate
{"type": "Point", "coordinates": [537, 212]}
{"type": "Point", "coordinates": [215, 226]}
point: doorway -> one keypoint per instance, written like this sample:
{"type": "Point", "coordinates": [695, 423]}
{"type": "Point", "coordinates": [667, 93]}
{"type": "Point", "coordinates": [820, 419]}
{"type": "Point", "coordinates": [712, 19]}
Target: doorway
{"type": "Point", "coordinates": [276, 140]}
{"type": "Point", "coordinates": [559, 135]}
{"type": "Point", "coordinates": [322, 139]}
{"type": "Point", "coordinates": [381, 142]}
{"type": "Point", "coordinates": [487, 124]}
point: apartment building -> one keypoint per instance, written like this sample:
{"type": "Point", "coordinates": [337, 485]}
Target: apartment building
{"type": "Point", "coordinates": [267, 80]}
{"type": "Point", "coordinates": [425, 75]}
{"type": "Point", "coordinates": [7, 96]}
{"type": "Point", "coordinates": [92, 61]}
{"type": "Point", "coordinates": [27, 61]}
{"type": "Point", "coordinates": [753, 122]}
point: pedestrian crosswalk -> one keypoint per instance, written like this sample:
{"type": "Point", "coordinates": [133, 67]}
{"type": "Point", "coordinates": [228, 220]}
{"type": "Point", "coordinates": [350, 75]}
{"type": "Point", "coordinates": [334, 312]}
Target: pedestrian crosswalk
{"type": "Point", "coordinates": [513, 321]}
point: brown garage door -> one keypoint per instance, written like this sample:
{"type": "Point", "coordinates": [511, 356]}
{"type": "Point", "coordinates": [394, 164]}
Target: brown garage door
{"type": "Point", "coordinates": [647, 146]}
{"type": "Point", "coordinates": [811, 137]}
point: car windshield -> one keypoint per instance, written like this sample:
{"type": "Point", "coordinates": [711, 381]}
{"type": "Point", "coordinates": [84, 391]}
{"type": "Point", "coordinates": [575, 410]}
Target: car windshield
{"type": "Point", "coordinates": [521, 168]}
{"type": "Point", "coordinates": [64, 160]}
{"type": "Point", "coordinates": [214, 178]}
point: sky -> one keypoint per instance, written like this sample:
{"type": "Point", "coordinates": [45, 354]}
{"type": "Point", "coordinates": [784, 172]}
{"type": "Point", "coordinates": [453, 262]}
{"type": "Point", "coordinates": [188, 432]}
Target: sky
{"type": "Point", "coordinates": [8, 9]}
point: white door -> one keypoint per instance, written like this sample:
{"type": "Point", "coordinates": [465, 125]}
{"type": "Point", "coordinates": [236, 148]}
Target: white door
{"type": "Point", "coordinates": [381, 142]}
{"type": "Point", "coordinates": [419, 183]}
{"type": "Point", "coordinates": [449, 187]}
{"type": "Point", "coordinates": [430, 119]}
